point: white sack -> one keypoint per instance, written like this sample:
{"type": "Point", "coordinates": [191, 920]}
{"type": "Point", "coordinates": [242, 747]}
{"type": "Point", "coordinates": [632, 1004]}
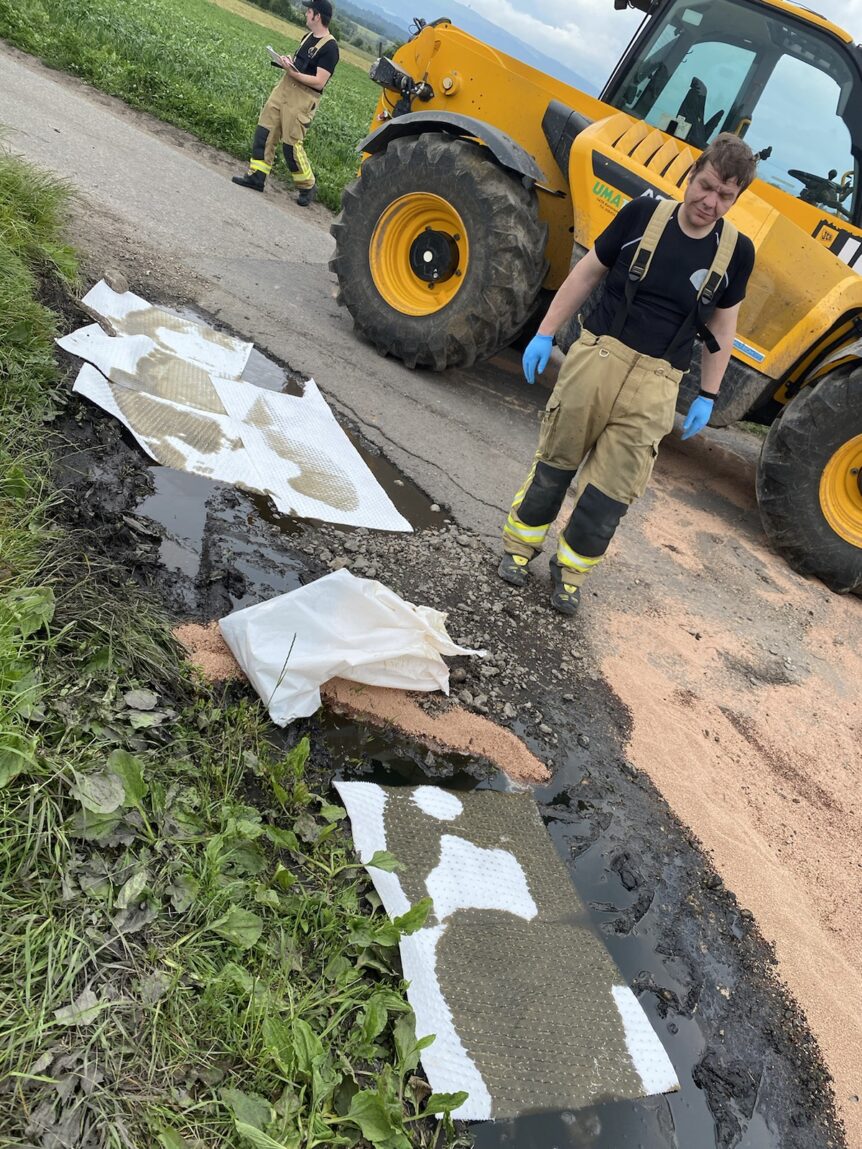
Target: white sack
{"type": "Point", "coordinates": [340, 626]}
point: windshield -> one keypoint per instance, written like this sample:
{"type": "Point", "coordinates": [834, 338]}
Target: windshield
{"type": "Point", "coordinates": [713, 66]}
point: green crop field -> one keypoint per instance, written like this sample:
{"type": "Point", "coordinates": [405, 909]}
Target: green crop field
{"type": "Point", "coordinates": [197, 65]}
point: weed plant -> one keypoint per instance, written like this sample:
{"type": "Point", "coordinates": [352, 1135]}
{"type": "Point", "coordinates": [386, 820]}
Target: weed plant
{"type": "Point", "coordinates": [195, 65]}
{"type": "Point", "coordinates": [189, 953]}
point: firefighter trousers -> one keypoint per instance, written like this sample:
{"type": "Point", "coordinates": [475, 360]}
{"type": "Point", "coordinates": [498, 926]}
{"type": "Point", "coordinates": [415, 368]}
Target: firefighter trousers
{"type": "Point", "coordinates": [285, 118]}
{"type": "Point", "coordinates": [603, 423]}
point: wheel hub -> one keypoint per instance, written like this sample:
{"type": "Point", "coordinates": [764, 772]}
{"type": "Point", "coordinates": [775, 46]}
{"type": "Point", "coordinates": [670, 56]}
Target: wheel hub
{"type": "Point", "coordinates": [419, 255]}
{"type": "Point", "coordinates": [434, 256]}
{"type": "Point", "coordinates": [841, 491]}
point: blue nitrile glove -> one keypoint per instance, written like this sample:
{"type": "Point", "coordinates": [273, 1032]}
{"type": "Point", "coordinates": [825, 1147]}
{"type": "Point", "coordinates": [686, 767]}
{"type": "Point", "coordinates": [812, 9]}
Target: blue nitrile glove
{"type": "Point", "coordinates": [536, 356]}
{"type": "Point", "coordinates": [697, 417]}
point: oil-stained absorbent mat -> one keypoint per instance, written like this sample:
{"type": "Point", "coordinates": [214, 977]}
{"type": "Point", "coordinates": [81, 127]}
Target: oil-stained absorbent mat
{"type": "Point", "coordinates": [196, 342]}
{"type": "Point", "coordinates": [185, 416]}
{"type": "Point", "coordinates": [338, 626]}
{"type": "Point", "coordinates": [528, 1009]}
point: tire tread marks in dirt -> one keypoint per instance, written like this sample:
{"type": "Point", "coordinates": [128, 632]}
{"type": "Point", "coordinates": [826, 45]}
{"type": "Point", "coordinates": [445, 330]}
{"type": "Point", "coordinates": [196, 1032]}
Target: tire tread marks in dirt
{"type": "Point", "coordinates": [507, 251]}
{"type": "Point", "coordinates": [795, 452]}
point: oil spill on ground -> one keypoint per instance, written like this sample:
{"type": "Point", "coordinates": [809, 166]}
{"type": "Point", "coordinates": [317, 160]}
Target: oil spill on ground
{"type": "Point", "coordinates": [751, 1076]}
{"type": "Point", "coordinates": [206, 539]}
{"type": "Point", "coordinates": [614, 897]}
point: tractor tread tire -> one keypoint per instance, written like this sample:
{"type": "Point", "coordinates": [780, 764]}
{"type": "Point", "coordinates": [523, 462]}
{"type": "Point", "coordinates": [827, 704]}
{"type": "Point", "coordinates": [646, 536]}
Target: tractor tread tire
{"type": "Point", "coordinates": [796, 450]}
{"type": "Point", "coordinates": [507, 252]}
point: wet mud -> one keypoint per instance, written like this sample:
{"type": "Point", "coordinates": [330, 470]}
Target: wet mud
{"type": "Point", "coordinates": [751, 1075]}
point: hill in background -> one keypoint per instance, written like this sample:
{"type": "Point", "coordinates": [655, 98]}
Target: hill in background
{"type": "Point", "coordinates": [380, 17]}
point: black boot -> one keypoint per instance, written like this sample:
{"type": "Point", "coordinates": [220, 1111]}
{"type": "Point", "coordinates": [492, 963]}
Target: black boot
{"type": "Point", "coordinates": [306, 195]}
{"type": "Point", "coordinates": [255, 180]}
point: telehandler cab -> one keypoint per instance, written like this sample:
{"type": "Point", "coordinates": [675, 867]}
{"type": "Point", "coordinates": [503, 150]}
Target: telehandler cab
{"type": "Point", "coordinates": [484, 180]}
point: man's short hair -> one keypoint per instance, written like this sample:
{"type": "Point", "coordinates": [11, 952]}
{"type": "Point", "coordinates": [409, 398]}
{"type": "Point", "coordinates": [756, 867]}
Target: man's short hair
{"type": "Point", "coordinates": [323, 8]}
{"type": "Point", "coordinates": [732, 159]}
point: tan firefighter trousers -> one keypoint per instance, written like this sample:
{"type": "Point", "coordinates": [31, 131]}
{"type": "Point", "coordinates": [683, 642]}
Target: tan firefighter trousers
{"type": "Point", "coordinates": [286, 116]}
{"type": "Point", "coordinates": [606, 416]}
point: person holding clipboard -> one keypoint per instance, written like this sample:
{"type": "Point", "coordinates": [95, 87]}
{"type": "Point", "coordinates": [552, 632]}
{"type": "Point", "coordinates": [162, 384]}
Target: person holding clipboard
{"type": "Point", "coordinates": [287, 114]}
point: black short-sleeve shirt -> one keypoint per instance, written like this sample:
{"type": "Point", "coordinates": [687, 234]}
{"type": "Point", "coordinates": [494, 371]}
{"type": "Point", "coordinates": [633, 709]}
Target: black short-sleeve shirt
{"type": "Point", "coordinates": [307, 60]}
{"type": "Point", "coordinates": [668, 293]}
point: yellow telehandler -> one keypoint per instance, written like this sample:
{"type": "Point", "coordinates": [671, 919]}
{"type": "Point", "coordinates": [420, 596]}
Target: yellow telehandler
{"type": "Point", "coordinates": [483, 180]}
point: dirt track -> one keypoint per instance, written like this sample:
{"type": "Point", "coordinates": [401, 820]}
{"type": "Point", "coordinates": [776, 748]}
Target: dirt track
{"type": "Point", "coordinates": [735, 682]}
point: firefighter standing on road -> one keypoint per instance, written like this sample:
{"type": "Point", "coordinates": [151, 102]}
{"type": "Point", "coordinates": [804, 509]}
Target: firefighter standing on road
{"type": "Point", "coordinates": [288, 112]}
{"type": "Point", "coordinates": [673, 271]}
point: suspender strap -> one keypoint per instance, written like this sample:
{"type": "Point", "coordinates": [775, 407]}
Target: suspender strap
{"type": "Point", "coordinates": [695, 321]}
{"type": "Point", "coordinates": [641, 261]}
{"type": "Point", "coordinates": [312, 52]}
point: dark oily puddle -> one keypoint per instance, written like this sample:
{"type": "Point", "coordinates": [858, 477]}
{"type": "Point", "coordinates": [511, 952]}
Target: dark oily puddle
{"type": "Point", "coordinates": [681, 1120]}
{"type": "Point", "coordinates": [197, 513]}
{"type": "Point", "coordinates": [216, 534]}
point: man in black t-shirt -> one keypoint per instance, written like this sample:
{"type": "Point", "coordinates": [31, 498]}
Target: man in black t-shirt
{"type": "Point", "coordinates": [288, 112]}
{"type": "Point", "coordinates": [616, 394]}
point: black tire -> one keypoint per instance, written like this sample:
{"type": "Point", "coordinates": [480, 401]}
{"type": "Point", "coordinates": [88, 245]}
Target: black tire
{"type": "Point", "coordinates": [808, 482]}
{"type": "Point", "coordinates": [493, 296]}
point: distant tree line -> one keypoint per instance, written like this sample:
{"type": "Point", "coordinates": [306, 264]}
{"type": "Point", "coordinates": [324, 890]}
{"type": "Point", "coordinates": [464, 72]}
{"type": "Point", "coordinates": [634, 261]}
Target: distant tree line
{"type": "Point", "coordinates": [345, 30]}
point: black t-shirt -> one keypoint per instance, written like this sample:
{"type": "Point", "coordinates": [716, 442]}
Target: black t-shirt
{"type": "Point", "coordinates": [667, 294]}
{"type": "Point", "coordinates": [307, 60]}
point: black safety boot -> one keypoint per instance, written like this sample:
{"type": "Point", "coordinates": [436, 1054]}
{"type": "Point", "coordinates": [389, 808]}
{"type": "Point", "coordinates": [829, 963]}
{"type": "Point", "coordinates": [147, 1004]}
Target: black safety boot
{"type": "Point", "coordinates": [565, 596]}
{"type": "Point", "coordinates": [306, 195]}
{"type": "Point", "coordinates": [513, 569]}
{"type": "Point", "coordinates": [254, 180]}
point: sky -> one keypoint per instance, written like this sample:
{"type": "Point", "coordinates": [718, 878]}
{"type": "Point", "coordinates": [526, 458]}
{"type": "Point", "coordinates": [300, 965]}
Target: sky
{"type": "Point", "coordinates": [590, 35]}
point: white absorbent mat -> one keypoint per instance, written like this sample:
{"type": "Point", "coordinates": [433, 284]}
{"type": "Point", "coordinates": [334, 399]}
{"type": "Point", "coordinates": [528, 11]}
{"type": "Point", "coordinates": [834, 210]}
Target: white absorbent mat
{"type": "Point", "coordinates": [193, 414]}
{"type": "Point", "coordinates": [528, 1009]}
{"type": "Point", "coordinates": [195, 342]}
{"type": "Point", "coordinates": [338, 626]}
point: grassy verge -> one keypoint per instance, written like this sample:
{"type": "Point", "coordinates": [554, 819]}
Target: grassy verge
{"type": "Point", "coordinates": [189, 954]}
{"type": "Point", "coordinates": [196, 65]}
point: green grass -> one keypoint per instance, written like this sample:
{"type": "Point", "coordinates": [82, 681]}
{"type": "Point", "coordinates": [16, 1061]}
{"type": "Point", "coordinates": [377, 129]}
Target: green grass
{"type": "Point", "coordinates": [189, 954]}
{"type": "Point", "coordinates": [196, 65]}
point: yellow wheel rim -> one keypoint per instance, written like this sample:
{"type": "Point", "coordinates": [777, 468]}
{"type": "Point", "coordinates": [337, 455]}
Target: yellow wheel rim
{"type": "Point", "coordinates": [840, 492]}
{"type": "Point", "coordinates": [419, 254]}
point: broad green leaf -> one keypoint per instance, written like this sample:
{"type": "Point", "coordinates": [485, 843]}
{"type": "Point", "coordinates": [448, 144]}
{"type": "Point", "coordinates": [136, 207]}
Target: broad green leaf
{"type": "Point", "coordinates": [369, 1112]}
{"type": "Point", "coordinates": [170, 1138]}
{"type": "Point", "coordinates": [183, 891]}
{"type": "Point", "coordinates": [332, 813]}
{"type": "Point", "coordinates": [14, 484]}
{"type": "Point", "coordinates": [298, 756]}
{"type": "Point", "coordinates": [283, 878]}
{"type": "Point", "coordinates": [258, 1138]}
{"type": "Point", "coordinates": [266, 896]}
{"type": "Point", "coordinates": [284, 839]}
{"type": "Point", "coordinates": [307, 1046]}
{"type": "Point", "coordinates": [280, 1044]}
{"type": "Point", "coordinates": [143, 719]}
{"type": "Point", "coordinates": [99, 827]}
{"type": "Point", "coordinates": [415, 918]}
{"type": "Point", "coordinates": [440, 1103]}
{"type": "Point", "coordinates": [82, 1011]}
{"type": "Point", "coordinates": [102, 791]}
{"type": "Point", "coordinates": [373, 1018]}
{"type": "Point", "coordinates": [380, 932]}
{"type": "Point", "coordinates": [249, 1108]}
{"type": "Point", "coordinates": [406, 1045]}
{"type": "Point", "coordinates": [383, 860]}
{"type": "Point", "coordinates": [17, 753]}
{"type": "Point", "coordinates": [241, 927]}
{"type": "Point", "coordinates": [306, 828]}
{"type": "Point", "coordinates": [141, 699]}
{"type": "Point", "coordinates": [31, 608]}
{"type": "Point", "coordinates": [132, 889]}
{"type": "Point", "coordinates": [130, 772]}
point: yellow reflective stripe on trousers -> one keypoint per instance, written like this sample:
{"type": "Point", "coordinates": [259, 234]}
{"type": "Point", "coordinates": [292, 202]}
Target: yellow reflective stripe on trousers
{"type": "Point", "coordinates": [566, 557]}
{"type": "Point", "coordinates": [532, 536]}
{"type": "Point", "coordinates": [303, 172]}
{"type": "Point", "coordinates": [259, 166]}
